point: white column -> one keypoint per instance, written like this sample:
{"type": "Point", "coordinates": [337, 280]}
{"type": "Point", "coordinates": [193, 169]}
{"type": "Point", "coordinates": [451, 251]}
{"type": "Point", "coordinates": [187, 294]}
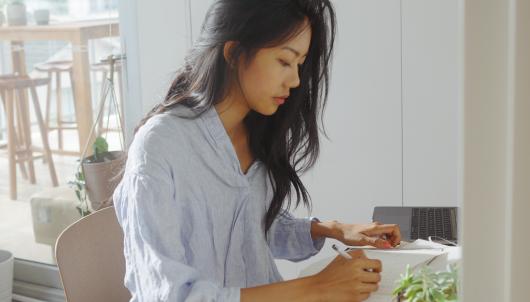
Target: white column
{"type": "Point", "coordinates": [496, 167]}
{"type": "Point", "coordinates": [155, 37]}
{"type": "Point", "coordinates": [520, 193]}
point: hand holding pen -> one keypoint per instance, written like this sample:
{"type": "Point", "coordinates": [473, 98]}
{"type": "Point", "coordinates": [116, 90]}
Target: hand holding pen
{"type": "Point", "coordinates": [345, 254]}
{"type": "Point", "coordinates": [351, 276]}
{"type": "Point", "coordinates": [341, 252]}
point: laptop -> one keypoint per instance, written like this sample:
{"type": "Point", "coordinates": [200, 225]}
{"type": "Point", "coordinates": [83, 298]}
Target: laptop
{"type": "Point", "coordinates": [421, 222]}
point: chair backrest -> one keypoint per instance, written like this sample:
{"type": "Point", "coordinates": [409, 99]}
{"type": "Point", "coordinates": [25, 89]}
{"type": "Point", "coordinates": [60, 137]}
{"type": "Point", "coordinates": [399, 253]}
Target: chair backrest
{"type": "Point", "coordinates": [90, 259]}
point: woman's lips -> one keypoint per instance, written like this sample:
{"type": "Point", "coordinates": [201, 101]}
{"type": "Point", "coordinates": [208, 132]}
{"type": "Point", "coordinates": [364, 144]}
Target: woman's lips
{"type": "Point", "coordinates": [279, 101]}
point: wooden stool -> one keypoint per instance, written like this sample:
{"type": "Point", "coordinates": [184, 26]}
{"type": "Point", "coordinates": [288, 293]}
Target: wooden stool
{"type": "Point", "coordinates": [19, 138]}
{"type": "Point", "coordinates": [13, 92]}
{"type": "Point", "coordinates": [104, 69]}
{"type": "Point", "coordinates": [57, 68]}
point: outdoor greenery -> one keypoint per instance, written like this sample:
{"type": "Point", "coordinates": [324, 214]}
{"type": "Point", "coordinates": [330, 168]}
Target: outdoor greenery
{"type": "Point", "coordinates": [428, 286]}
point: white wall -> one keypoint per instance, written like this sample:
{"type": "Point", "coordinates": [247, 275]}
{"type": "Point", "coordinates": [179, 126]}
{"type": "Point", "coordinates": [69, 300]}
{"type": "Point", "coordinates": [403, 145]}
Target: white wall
{"type": "Point", "coordinates": [430, 102]}
{"type": "Point", "coordinates": [198, 12]}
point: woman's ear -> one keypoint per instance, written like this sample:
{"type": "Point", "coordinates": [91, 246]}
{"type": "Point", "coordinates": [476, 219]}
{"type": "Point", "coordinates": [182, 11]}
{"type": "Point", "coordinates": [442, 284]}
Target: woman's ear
{"type": "Point", "coordinates": [227, 52]}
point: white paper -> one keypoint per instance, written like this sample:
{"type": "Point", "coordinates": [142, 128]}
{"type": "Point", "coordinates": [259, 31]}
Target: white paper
{"type": "Point", "coordinates": [395, 262]}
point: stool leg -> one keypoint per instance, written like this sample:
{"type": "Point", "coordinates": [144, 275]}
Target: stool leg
{"type": "Point", "coordinates": [47, 108]}
{"type": "Point", "coordinates": [101, 125]}
{"type": "Point", "coordinates": [48, 100]}
{"type": "Point", "coordinates": [17, 142]}
{"type": "Point", "coordinates": [21, 164]}
{"type": "Point", "coordinates": [20, 140]}
{"type": "Point", "coordinates": [59, 109]}
{"type": "Point", "coordinates": [71, 74]}
{"type": "Point", "coordinates": [11, 144]}
{"type": "Point", "coordinates": [119, 100]}
{"type": "Point", "coordinates": [44, 135]}
{"type": "Point", "coordinates": [20, 123]}
{"type": "Point", "coordinates": [3, 97]}
{"type": "Point", "coordinates": [24, 106]}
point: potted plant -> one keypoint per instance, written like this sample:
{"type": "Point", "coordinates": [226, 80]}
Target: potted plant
{"type": "Point", "coordinates": [427, 286]}
{"type": "Point", "coordinates": [16, 13]}
{"type": "Point", "coordinates": [3, 4]}
{"type": "Point", "coordinates": [101, 173]}
{"type": "Point", "coordinates": [6, 275]}
{"type": "Point", "coordinates": [97, 177]}
{"type": "Point", "coordinates": [41, 16]}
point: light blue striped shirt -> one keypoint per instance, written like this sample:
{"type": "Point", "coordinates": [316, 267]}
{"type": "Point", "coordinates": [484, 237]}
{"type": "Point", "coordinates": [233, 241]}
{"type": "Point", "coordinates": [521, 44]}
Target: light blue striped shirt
{"type": "Point", "coordinates": [192, 219]}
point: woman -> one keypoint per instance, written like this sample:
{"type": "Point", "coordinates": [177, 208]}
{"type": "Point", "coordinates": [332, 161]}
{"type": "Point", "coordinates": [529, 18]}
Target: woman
{"type": "Point", "coordinates": [211, 171]}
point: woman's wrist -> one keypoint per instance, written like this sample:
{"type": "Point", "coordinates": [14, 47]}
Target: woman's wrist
{"type": "Point", "coordinates": [327, 229]}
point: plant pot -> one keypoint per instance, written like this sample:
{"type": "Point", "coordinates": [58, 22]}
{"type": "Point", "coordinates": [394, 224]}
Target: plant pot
{"type": "Point", "coordinates": [16, 14]}
{"type": "Point", "coordinates": [6, 276]}
{"type": "Point", "coordinates": [41, 16]}
{"type": "Point", "coordinates": [101, 178]}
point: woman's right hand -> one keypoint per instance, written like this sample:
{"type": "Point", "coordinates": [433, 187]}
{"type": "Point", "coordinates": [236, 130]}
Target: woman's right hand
{"type": "Point", "coordinates": [348, 280]}
{"type": "Point", "coordinates": [343, 280]}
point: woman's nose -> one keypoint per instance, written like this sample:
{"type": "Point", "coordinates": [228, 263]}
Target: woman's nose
{"type": "Point", "coordinates": [294, 79]}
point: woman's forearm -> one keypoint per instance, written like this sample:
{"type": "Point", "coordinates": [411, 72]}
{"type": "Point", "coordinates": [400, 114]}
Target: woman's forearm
{"type": "Point", "coordinates": [328, 229]}
{"type": "Point", "coordinates": [302, 289]}
{"type": "Point", "coordinates": [305, 289]}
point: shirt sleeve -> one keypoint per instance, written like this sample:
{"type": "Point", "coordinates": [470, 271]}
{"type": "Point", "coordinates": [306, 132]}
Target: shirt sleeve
{"type": "Point", "coordinates": [290, 238]}
{"type": "Point", "coordinates": [154, 238]}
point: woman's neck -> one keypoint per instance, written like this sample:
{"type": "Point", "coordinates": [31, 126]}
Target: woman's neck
{"type": "Point", "coordinates": [232, 111]}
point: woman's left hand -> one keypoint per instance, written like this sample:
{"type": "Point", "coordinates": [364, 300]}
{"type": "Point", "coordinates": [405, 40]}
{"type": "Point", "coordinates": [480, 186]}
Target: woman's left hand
{"type": "Point", "coordinates": [374, 234]}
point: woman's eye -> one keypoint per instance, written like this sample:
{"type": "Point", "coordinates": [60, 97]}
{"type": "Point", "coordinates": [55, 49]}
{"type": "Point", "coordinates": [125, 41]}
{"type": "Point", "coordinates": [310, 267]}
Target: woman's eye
{"type": "Point", "coordinates": [285, 64]}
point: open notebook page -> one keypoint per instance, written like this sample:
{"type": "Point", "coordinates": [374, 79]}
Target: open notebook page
{"type": "Point", "coordinates": [394, 264]}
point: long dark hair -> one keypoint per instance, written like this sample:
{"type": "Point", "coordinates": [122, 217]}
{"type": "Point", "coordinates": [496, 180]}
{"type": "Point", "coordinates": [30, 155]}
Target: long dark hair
{"type": "Point", "coordinates": [288, 141]}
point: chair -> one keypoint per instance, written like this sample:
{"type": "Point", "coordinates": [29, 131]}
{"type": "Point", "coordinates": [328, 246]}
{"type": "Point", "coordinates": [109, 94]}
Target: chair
{"type": "Point", "coordinates": [13, 90]}
{"type": "Point", "coordinates": [57, 68]}
{"type": "Point", "coordinates": [90, 259]}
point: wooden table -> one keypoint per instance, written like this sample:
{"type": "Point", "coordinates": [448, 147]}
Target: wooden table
{"type": "Point", "coordinates": [78, 33]}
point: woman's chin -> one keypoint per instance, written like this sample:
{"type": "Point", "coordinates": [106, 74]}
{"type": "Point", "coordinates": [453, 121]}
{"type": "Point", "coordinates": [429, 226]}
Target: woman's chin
{"type": "Point", "coordinates": [268, 111]}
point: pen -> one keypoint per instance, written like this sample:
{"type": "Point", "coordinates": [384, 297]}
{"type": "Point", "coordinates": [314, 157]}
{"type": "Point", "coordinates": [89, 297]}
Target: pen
{"type": "Point", "coordinates": [347, 256]}
{"type": "Point", "coordinates": [343, 254]}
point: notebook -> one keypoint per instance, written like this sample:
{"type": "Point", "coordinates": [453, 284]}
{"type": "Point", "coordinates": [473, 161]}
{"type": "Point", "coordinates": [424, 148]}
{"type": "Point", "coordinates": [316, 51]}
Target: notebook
{"type": "Point", "coordinates": [395, 262]}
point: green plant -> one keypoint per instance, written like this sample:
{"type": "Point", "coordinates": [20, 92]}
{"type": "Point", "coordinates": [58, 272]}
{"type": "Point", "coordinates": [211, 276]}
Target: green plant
{"type": "Point", "coordinates": [100, 147]}
{"type": "Point", "coordinates": [101, 153]}
{"type": "Point", "coordinates": [78, 184]}
{"type": "Point", "coordinates": [428, 286]}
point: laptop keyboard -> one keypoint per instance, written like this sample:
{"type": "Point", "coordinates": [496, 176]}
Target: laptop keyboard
{"type": "Point", "coordinates": [432, 222]}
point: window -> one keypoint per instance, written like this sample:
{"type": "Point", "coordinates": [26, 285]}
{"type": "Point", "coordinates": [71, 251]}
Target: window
{"type": "Point", "coordinates": [33, 216]}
